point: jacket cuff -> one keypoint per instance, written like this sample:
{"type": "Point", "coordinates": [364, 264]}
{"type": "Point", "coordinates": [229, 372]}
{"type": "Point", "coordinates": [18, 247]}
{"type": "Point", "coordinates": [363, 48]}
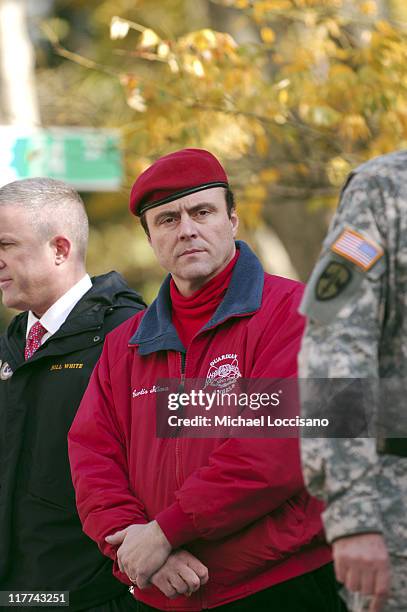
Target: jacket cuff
{"type": "Point", "coordinates": [178, 528]}
{"type": "Point", "coordinates": [351, 515]}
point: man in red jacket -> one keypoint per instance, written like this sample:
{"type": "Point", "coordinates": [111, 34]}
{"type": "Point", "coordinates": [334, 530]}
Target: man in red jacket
{"type": "Point", "coordinates": [170, 511]}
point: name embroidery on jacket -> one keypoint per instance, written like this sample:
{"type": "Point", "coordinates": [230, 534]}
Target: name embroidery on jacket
{"type": "Point", "coordinates": [66, 366]}
{"type": "Point", "coordinates": [144, 391]}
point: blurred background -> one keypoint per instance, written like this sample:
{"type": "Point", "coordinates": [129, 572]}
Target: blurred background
{"type": "Point", "coordinates": [289, 94]}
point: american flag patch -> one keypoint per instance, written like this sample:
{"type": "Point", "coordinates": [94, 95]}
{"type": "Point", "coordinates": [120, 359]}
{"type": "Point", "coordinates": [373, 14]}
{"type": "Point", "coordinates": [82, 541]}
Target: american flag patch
{"type": "Point", "coordinates": [355, 247]}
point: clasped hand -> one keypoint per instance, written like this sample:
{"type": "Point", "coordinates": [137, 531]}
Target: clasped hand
{"type": "Point", "coordinates": [144, 554]}
{"type": "Point", "coordinates": [143, 549]}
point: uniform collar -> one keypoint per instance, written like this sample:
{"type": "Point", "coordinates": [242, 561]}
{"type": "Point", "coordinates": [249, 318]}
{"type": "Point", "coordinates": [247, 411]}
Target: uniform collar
{"type": "Point", "coordinates": [57, 314]}
{"type": "Point", "coordinates": [243, 297]}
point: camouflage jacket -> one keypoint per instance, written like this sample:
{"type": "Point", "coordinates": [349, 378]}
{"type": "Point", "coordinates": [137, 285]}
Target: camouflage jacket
{"type": "Point", "coordinates": [356, 304]}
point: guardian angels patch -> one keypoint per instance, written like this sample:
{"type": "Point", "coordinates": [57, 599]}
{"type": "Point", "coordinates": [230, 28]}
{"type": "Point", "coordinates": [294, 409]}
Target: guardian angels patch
{"type": "Point", "coordinates": [5, 371]}
{"type": "Point", "coordinates": [332, 281]}
{"type": "Point", "coordinates": [223, 371]}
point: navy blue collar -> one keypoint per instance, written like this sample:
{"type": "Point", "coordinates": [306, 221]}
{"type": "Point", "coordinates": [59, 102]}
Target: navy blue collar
{"type": "Point", "coordinates": [243, 296]}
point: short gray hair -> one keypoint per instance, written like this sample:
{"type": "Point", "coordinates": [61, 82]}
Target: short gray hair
{"type": "Point", "coordinates": [54, 207]}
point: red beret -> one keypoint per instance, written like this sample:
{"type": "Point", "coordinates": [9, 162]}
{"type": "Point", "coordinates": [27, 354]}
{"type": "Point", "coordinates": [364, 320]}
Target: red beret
{"type": "Point", "coordinates": [174, 176]}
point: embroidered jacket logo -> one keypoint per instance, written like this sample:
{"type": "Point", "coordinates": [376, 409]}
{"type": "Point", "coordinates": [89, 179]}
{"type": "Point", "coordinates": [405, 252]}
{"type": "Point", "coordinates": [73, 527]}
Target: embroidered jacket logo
{"type": "Point", "coordinates": [5, 371]}
{"type": "Point", "coordinates": [223, 371]}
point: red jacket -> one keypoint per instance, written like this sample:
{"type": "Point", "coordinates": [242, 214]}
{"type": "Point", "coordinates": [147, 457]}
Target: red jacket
{"type": "Point", "coordinates": [239, 505]}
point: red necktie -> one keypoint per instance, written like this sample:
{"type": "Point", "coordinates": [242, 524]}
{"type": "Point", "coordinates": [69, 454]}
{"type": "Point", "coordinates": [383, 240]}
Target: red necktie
{"type": "Point", "coordinates": [34, 338]}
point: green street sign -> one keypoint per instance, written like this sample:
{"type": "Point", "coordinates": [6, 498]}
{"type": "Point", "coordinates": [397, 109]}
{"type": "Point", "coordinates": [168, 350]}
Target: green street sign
{"type": "Point", "coordinates": [89, 159]}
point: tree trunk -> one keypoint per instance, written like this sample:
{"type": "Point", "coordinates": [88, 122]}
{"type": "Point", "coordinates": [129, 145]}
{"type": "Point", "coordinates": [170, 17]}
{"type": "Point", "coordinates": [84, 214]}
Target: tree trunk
{"type": "Point", "coordinates": [397, 11]}
{"type": "Point", "coordinates": [19, 99]}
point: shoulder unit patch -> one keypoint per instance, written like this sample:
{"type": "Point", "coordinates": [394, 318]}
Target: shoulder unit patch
{"type": "Point", "coordinates": [332, 281]}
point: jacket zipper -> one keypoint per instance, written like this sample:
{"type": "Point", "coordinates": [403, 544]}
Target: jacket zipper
{"type": "Point", "coordinates": [183, 359]}
{"type": "Point", "coordinates": [183, 362]}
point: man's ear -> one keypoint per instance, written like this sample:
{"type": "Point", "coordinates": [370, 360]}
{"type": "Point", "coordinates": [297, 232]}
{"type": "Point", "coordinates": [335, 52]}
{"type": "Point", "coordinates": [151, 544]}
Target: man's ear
{"type": "Point", "coordinates": [62, 248]}
{"type": "Point", "coordinates": [234, 220]}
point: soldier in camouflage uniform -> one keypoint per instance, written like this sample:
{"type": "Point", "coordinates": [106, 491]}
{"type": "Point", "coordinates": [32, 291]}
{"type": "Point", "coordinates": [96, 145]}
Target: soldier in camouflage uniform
{"type": "Point", "coordinates": [356, 304]}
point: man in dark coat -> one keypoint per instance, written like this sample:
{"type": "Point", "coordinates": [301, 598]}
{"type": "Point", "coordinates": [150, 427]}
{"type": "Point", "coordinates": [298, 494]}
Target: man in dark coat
{"type": "Point", "coordinates": [47, 355]}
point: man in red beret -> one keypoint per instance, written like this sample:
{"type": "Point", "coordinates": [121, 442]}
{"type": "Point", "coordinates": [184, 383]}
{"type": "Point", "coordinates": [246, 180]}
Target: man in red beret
{"type": "Point", "coordinates": [171, 511]}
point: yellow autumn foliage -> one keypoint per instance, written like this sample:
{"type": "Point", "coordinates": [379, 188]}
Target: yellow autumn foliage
{"type": "Point", "coordinates": [290, 94]}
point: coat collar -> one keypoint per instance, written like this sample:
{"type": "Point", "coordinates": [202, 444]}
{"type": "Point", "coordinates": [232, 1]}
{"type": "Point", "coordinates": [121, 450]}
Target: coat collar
{"type": "Point", "coordinates": [108, 291]}
{"type": "Point", "coordinates": [243, 297]}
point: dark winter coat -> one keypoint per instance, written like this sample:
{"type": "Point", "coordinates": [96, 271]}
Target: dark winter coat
{"type": "Point", "coordinates": [42, 545]}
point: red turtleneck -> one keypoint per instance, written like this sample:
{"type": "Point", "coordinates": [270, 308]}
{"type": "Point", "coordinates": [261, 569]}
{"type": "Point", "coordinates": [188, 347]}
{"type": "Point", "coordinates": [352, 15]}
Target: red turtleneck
{"type": "Point", "coordinates": [189, 314]}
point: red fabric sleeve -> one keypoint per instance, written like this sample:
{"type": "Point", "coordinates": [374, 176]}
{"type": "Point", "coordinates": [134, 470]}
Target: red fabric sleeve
{"type": "Point", "coordinates": [245, 480]}
{"type": "Point", "coordinates": [176, 525]}
{"type": "Point", "coordinates": [99, 468]}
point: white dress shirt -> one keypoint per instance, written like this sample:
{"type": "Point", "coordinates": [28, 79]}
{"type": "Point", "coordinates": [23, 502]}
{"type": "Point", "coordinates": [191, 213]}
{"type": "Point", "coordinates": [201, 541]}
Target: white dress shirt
{"type": "Point", "coordinates": [57, 314]}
